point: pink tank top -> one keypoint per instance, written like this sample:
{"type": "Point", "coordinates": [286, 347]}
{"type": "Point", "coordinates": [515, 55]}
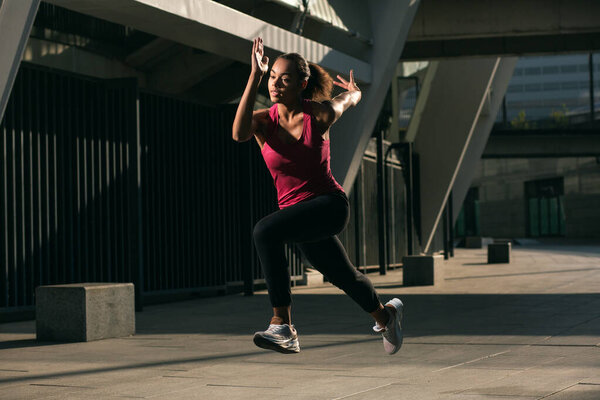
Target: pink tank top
{"type": "Point", "coordinates": [300, 170]}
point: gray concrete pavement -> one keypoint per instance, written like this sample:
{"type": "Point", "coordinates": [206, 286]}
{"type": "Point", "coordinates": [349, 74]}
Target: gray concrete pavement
{"type": "Point", "coordinates": [525, 330]}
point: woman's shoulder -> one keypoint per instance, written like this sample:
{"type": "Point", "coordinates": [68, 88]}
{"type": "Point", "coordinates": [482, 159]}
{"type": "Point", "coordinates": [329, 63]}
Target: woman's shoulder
{"type": "Point", "coordinates": [321, 111]}
{"type": "Point", "coordinates": [261, 120]}
{"type": "Point", "coordinates": [261, 115]}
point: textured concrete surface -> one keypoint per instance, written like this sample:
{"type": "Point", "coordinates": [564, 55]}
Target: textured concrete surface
{"type": "Point", "coordinates": [422, 270]}
{"type": "Point", "coordinates": [525, 330]}
{"type": "Point", "coordinates": [498, 253]}
{"type": "Point", "coordinates": [83, 312]}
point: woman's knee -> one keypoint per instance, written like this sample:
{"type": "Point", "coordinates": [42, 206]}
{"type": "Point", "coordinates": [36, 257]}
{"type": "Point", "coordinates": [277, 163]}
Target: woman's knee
{"type": "Point", "coordinates": [264, 230]}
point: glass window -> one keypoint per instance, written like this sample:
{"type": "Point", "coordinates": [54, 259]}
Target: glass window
{"type": "Point", "coordinates": [552, 86]}
{"type": "Point", "coordinates": [569, 85]}
{"type": "Point", "coordinates": [551, 69]}
{"type": "Point", "coordinates": [533, 71]}
{"type": "Point", "coordinates": [533, 87]}
{"type": "Point", "coordinates": [568, 68]}
{"type": "Point", "coordinates": [515, 88]}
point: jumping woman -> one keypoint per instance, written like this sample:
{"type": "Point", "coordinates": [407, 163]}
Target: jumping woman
{"type": "Point", "coordinates": [293, 136]}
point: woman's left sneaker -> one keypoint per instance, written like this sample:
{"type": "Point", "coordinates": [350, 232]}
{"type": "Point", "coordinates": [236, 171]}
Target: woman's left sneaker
{"type": "Point", "coordinates": [281, 338]}
{"type": "Point", "coordinates": [392, 333]}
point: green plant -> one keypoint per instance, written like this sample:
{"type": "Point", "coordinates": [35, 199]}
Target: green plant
{"type": "Point", "coordinates": [559, 117]}
{"type": "Point", "coordinates": [520, 121]}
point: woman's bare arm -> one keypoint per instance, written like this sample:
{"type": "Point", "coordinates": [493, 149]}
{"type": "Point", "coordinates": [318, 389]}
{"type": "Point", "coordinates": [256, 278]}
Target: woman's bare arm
{"type": "Point", "coordinates": [330, 111]}
{"type": "Point", "coordinates": [245, 124]}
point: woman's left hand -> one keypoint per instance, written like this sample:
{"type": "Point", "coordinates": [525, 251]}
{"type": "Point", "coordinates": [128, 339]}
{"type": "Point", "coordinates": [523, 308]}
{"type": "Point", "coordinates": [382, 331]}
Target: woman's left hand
{"type": "Point", "coordinates": [348, 85]}
{"type": "Point", "coordinates": [353, 92]}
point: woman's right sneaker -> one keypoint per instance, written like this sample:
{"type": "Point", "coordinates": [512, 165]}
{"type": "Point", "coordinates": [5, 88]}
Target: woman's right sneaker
{"type": "Point", "coordinates": [281, 338]}
{"type": "Point", "coordinates": [392, 333]}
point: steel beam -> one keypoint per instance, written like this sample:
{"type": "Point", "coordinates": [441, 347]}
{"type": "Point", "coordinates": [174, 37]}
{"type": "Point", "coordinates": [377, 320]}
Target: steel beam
{"type": "Point", "coordinates": [16, 20]}
{"type": "Point", "coordinates": [454, 97]}
{"type": "Point", "coordinates": [350, 135]}
{"type": "Point", "coordinates": [215, 28]}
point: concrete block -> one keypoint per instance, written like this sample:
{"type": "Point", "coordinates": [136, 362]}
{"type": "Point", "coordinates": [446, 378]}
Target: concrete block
{"type": "Point", "coordinates": [312, 277]}
{"type": "Point", "coordinates": [422, 270]}
{"type": "Point", "coordinates": [499, 253]}
{"type": "Point", "coordinates": [82, 312]}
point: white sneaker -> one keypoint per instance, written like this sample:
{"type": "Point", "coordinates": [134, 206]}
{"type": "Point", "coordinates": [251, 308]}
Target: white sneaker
{"type": "Point", "coordinates": [281, 338]}
{"type": "Point", "coordinates": [392, 333]}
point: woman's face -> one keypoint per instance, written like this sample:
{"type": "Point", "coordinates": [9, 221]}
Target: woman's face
{"type": "Point", "coordinates": [284, 84]}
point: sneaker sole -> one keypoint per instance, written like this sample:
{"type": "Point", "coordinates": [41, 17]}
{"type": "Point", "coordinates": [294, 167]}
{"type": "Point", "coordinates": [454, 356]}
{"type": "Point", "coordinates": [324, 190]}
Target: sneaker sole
{"type": "Point", "coordinates": [399, 306]}
{"type": "Point", "coordinates": [267, 344]}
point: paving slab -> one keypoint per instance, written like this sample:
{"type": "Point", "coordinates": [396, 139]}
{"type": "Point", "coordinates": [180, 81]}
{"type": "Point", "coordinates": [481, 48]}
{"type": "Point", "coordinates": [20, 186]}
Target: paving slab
{"type": "Point", "coordinates": [529, 329]}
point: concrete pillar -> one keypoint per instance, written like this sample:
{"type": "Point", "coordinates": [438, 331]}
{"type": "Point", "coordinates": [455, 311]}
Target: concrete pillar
{"type": "Point", "coordinates": [450, 105]}
{"type": "Point", "coordinates": [481, 133]}
{"type": "Point", "coordinates": [16, 19]}
{"type": "Point", "coordinates": [390, 23]}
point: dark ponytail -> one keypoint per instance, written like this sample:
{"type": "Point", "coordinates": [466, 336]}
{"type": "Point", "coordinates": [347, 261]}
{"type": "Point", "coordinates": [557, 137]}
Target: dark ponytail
{"type": "Point", "coordinates": [320, 84]}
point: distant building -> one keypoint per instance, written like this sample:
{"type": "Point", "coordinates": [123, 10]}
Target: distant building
{"type": "Point", "coordinates": [540, 197]}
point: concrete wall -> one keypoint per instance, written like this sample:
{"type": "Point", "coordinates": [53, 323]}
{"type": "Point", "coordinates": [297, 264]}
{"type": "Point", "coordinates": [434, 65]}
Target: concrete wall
{"type": "Point", "coordinates": [501, 184]}
{"type": "Point", "coordinates": [503, 218]}
{"type": "Point", "coordinates": [582, 213]}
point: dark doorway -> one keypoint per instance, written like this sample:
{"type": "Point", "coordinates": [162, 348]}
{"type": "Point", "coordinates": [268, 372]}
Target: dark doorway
{"type": "Point", "coordinates": [545, 214]}
{"type": "Point", "coordinates": [467, 223]}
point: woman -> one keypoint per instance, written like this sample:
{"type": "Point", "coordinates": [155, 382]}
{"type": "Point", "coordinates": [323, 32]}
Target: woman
{"type": "Point", "coordinates": [294, 139]}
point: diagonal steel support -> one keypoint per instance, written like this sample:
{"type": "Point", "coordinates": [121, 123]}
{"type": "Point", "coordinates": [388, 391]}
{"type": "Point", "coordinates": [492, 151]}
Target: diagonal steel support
{"type": "Point", "coordinates": [16, 19]}
{"type": "Point", "coordinates": [454, 107]}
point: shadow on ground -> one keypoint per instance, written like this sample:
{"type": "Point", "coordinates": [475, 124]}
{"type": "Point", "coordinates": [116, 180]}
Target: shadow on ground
{"type": "Point", "coordinates": [425, 315]}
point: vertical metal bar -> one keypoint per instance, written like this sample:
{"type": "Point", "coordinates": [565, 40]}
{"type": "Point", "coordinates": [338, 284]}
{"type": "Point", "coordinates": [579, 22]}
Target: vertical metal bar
{"type": "Point", "coordinates": [11, 203]}
{"type": "Point", "coordinates": [4, 230]}
{"type": "Point", "coordinates": [445, 230]}
{"type": "Point", "coordinates": [19, 188]}
{"type": "Point", "coordinates": [159, 189]}
{"type": "Point", "coordinates": [120, 135]}
{"type": "Point", "coordinates": [196, 192]}
{"type": "Point", "coordinates": [18, 133]}
{"type": "Point", "coordinates": [21, 192]}
{"type": "Point", "coordinates": [175, 123]}
{"type": "Point", "coordinates": [55, 199]}
{"type": "Point", "coordinates": [247, 205]}
{"type": "Point", "coordinates": [381, 234]}
{"type": "Point", "coordinates": [36, 177]}
{"type": "Point", "coordinates": [86, 264]}
{"type": "Point", "coordinates": [28, 186]}
{"type": "Point", "coordinates": [59, 238]}
{"type": "Point", "coordinates": [78, 123]}
{"type": "Point", "coordinates": [408, 176]}
{"type": "Point", "coordinates": [504, 116]}
{"type": "Point", "coordinates": [100, 199]}
{"type": "Point", "coordinates": [363, 222]}
{"type": "Point", "coordinates": [592, 105]}
{"type": "Point", "coordinates": [451, 223]}
{"type": "Point", "coordinates": [137, 252]}
{"type": "Point", "coordinates": [91, 201]}
{"type": "Point", "coordinates": [357, 226]}
{"type": "Point", "coordinates": [44, 178]}
{"type": "Point", "coordinates": [109, 193]}
{"type": "Point", "coordinates": [70, 176]}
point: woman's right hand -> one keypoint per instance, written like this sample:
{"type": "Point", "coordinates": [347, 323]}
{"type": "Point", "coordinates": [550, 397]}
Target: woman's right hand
{"type": "Point", "coordinates": [260, 62]}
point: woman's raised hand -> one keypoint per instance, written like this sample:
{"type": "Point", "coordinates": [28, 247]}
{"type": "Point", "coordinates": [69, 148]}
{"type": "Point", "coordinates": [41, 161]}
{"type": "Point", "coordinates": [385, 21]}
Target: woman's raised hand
{"type": "Point", "coordinates": [260, 62]}
{"type": "Point", "coordinates": [348, 85]}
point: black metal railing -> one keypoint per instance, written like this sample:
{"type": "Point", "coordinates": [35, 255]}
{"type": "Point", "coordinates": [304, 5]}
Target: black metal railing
{"type": "Point", "coordinates": [100, 181]}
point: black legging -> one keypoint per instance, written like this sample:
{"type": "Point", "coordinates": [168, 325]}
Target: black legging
{"type": "Point", "coordinates": [312, 224]}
